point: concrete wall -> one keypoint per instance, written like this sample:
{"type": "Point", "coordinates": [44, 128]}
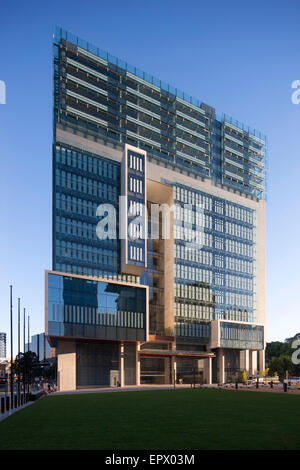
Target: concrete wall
{"type": "Point", "coordinates": [162, 194]}
{"type": "Point", "coordinates": [66, 365]}
{"type": "Point", "coordinates": [261, 264]}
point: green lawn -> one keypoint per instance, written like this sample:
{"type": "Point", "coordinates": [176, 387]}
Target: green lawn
{"type": "Point", "coordinates": [157, 420]}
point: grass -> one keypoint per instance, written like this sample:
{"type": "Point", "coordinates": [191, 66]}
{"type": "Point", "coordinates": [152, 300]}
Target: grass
{"type": "Point", "coordinates": [156, 420]}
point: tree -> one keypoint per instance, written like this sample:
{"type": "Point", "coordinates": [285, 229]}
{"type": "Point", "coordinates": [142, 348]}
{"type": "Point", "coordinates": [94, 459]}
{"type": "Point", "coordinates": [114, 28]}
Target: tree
{"type": "Point", "coordinates": [27, 365]}
{"type": "Point", "coordinates": [290, 340]}
{"type": "Point", "coordinates": [279, 357]}
{"type": "Point", "coordinates": [265, 372]}
{"type": "Point", "coordinates": [281, 365]}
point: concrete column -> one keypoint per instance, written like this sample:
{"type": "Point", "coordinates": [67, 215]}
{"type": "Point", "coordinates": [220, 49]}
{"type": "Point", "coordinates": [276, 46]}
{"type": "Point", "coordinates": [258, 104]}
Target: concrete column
{"type": "Point", "coordinates": [255, 362]}
{"type": "Point", "coordinates": [167, 369]}
{"type": "Point", "coordinates": [221, 366]}
{"type": "Point", "coordinates": [138, 364]}
{"type": "Point", "coordinates": [174, 370]}
{"type": "Point", "coordinates": [252, 362]}
{"type": "Point", "coordinates": [247, 360]}
{"type": "Point", "coordinates": [208, 371]}
{"type": "Point", "coordinates": [244, 360]}
{"type": "Point", "coordinates": [122, 375]}
{"type": "Point", "coordinates": [261, 360]}
{"type": "Point", "coordinates": [66, 366]}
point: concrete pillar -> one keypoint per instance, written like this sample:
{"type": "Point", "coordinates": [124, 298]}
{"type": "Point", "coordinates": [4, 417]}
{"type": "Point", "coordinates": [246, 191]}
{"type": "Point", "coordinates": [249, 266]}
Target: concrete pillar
{"type": "Point", "coordinates": [122, 375]}
{"type": "Point", "coordinates": [252, 362]}
{"type": "Point", "coordinates": [138, 364]}
{"type": "Point", "coordinates": [66, 366]}
{"type": "Point", "coordinates": [244, 360]}
{"type": "Point", "coordinates": [174, 370]}
{"type": "Point", "coordinates": [255, 362]}
{"type": "Point", "coordinates": [208, 371]}
{"type": "Point", "coordinates": [221, 366]}
{"type": "Point", "coordinates": [247, 360]}
{"type": "Point", "coordinates": [167, 369]}
{"type": "Point", "coordinates": [261, 360]}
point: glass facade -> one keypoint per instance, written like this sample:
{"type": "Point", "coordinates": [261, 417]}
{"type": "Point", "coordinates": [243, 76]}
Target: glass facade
{"type": "Point", "coordinates": [95, 309]}
{"type": "Point", "coordinates": [241, 336]}
{"type": "Point", "coordinates": [103, 96]}
{"type": "Point", "coordinates": [94, 362]}
{"type": "Point", "coordinates": [2, 344]}
{"type": "Point", "coordinates": [192, 331]}
{"type": "Point", "coordinates": [214, 271]}
{"type": "Point", "coordinates": [81, 182]}
{"type": "Point", "coordinates": [103, 99]}
{"type": "Point", "coordinates": [152, 370]}
{"type": "Point", "coordinates": [40, 346]}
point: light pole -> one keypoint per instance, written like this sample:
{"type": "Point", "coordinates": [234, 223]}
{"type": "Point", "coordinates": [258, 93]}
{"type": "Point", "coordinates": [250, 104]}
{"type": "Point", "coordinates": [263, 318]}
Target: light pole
{"type": "Point", "coordinates": [28, 332]}
{"type": "Point", "coordinates": [11, 351]}
{"type": "Point", "coordinates": [24, 362]}
{"type": "Point", "coordinates": [19, 393]}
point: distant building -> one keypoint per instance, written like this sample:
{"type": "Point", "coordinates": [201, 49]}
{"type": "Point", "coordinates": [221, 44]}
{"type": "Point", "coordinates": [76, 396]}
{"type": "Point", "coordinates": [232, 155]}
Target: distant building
{"type": "Point", "coordinates": [3, 365]}
{"type": "Point", "coordinates": [40, 346]}
{"type": "Point", "coordinates": [2, 344]}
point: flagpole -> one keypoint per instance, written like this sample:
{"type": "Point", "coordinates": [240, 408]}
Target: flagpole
{"type": "Point", "coordinates": [19, 372]}
{"type": "Point", "coordinates": [11, 353]}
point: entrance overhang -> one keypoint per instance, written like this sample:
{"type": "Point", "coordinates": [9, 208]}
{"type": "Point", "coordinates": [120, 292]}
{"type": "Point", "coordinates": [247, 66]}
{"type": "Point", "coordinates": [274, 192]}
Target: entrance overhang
{"type": "Point", "coordinates": [163, 353]}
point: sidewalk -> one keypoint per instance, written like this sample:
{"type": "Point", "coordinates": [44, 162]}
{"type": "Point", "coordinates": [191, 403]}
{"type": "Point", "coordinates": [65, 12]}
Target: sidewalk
{"type": "Point", "coordinates": [141, 388]}
{"type": "Point", "coordinates": [127, 388]}
{"type": "Point", "coordinates": [13, 410]}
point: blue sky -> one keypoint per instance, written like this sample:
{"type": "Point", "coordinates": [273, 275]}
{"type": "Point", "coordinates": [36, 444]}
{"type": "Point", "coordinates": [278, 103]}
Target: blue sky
{"type": "Point", "coordinates": [239, 57]}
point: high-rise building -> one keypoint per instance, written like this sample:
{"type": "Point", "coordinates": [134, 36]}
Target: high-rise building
{"type": "Point", "coordinates": [2, 344]}
{"type": "Point", "coordinates": [126, 308]}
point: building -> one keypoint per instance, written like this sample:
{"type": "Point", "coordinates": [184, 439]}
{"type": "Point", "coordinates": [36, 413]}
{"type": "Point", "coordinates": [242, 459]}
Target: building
{"type": "Point", "coordinates": [125, 308]}
{"type": "Point", "coordinates": [4, 371]}
{"type": "Point", "coordinates": [40, 346]}
{"type": "Point", "coordinates": [3, 345]}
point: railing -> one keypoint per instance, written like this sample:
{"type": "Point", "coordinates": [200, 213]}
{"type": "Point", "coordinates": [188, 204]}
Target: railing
{"type": "Point", "coordinates": [155, 83]}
